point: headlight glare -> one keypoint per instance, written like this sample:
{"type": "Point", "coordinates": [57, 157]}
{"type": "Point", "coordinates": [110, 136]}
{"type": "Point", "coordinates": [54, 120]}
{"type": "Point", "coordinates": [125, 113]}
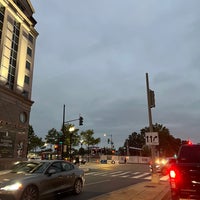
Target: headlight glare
{"type": "Point", "coordinates": [13, 187]}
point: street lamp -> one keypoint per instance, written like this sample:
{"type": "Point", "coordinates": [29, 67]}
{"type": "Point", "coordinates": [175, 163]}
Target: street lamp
{"type": "Point", "coordinates": [71, 129]}
{"type": "Point", "coordinates": [81, 141]}
{"type": "Point", "coordinates": [81, 151]}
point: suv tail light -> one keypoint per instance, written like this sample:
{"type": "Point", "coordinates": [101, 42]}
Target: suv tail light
{"type": "Point", "coordinates": [172, 174]}
{"type": "Point", "coordinates": [175, 177]}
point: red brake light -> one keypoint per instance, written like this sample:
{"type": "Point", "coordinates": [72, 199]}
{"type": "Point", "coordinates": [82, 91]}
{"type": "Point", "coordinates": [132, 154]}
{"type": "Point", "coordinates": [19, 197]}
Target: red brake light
{"type": "Point", "coordinates": [190, 142]}
{"type": "Point", "coordinates": [172, 174]}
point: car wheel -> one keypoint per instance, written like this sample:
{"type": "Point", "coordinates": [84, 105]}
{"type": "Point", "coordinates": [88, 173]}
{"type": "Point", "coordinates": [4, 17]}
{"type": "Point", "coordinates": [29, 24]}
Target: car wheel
{"type": "Point", "coordinates": [78, 186]}
{"type": "Point", "coordinates": [30, 193]}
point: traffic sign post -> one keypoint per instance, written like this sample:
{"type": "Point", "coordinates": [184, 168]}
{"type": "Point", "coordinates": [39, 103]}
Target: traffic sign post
{"type": "Point", "coordinates": [152, 138]}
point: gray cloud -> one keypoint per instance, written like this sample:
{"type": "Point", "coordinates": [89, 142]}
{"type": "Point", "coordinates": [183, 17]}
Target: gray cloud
{"type": "Point", "coordinates": [93, 56]}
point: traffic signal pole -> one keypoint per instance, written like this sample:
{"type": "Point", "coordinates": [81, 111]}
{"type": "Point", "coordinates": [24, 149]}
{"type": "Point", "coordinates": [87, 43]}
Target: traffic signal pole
{"type": "Point", "coordinates": [155, 176]}
{"type": "Point", "coordinates": [63, 131]}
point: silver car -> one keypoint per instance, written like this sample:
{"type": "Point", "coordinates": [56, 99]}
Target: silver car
{"type": "Point", "coordinates": [31, 180]}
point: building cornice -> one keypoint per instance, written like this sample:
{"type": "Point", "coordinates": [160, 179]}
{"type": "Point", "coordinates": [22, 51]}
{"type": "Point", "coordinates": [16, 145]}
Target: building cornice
{"type": "Point", "coordinates": [11, 93]}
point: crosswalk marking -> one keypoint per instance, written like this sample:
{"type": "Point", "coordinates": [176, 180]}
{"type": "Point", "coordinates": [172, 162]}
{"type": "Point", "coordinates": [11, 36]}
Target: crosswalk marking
{"type": "Point", "coordinates": [147, 177]}
{"type": "Point", "coordinates": [126, 174]}
{"type": "Point", "coordinates": [141, 175]}
{"type": "Point", "coordinates": [119, 174]}
{"type": "Point", "coordinates": [136, 173]}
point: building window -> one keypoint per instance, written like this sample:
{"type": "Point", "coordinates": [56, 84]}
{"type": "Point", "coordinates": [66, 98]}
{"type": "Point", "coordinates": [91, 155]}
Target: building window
{"type": "Point", "coordinates": [26, 79]}
{"type": "Point", "coordinates": [29, 51]}
{"type": "Point", "coordinates": [25, 94]}
{"type": "Point", "coordinates": [2, 10]}
{"type": "Point", "coordinates": [13, 54]}
{"type": "Point", "coordinates": [30, 38]}
{"type": "Point", "coordinates": [28, 65]}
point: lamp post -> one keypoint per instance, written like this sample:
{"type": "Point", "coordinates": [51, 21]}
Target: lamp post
{"type": "Point", "coordinates": [71, 129]}
{"type": "Point", "coordinates": [81, 149]}
{"type": "Point", "coordinates": [81, 141]}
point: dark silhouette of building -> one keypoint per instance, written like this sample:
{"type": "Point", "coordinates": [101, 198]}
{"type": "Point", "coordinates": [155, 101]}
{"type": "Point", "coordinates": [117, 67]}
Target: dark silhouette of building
{"type": "Point", "coordinates": [17, 50]}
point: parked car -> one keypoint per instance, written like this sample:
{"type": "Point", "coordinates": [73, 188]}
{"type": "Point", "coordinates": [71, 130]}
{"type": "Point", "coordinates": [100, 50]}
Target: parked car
{"type": "Point", "coordinates": [31, 180]}
{"type": "Point", "coordinates": [163, 165]}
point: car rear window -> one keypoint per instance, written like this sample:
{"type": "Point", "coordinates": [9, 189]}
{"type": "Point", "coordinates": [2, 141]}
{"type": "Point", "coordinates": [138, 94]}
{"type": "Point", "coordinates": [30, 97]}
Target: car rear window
{"type": "Point", "coordinates": [189, 154]}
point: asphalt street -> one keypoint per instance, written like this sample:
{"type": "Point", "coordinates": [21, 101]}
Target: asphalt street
{"type": "Point", "coordinates": [104, 179]}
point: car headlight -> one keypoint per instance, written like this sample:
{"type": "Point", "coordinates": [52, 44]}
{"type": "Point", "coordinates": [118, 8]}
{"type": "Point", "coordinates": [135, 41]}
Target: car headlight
{"type": "Point", "coordinates": [164, 161]}
{"type": "Point", "coordinates": [13, 187]}
{"type": "Point", "coordinates": [157, 161]}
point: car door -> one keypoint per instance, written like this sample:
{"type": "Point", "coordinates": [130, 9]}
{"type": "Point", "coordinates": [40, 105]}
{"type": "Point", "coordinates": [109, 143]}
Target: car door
{"type": "Point", "coordinates": [52, 182]}
{"type": "Point", "coordinates": [69, 174]}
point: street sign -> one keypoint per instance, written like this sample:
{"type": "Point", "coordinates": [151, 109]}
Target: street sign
{"type": "Point", "coordinates": [151, 138]}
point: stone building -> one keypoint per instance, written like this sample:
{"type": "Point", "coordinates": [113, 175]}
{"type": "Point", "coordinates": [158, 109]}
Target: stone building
{"type": "Point", "coordinates": [17, 50]}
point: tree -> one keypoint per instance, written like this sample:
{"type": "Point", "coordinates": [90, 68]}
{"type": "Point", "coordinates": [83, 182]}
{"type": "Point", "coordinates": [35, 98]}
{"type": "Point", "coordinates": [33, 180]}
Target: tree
{"type": "Point", "coordinates": [88, 139]}
{"type": "Point", "coordinates": [33, 140]}
{"type": "Point", "coordinates": [134, 143]}
{"type": "Point", "coordinates": [70, 138]}
{"type": "Point", "coordinates": [53, 136]}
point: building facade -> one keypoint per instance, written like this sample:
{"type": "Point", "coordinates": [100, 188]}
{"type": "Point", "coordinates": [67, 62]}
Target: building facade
{"type": "Point", "coordinates": [17, 49]}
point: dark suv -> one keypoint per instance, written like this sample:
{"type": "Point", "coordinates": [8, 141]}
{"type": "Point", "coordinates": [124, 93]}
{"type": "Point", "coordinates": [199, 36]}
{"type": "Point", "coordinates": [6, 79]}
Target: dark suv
{"type": "Point", "coordinates": [185, 173]}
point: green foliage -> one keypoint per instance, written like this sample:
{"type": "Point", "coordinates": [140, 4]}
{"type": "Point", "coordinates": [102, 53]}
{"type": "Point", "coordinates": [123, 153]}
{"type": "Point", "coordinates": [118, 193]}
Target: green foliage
{"type": "Point", "coordinates": [73, 135]}
{"type": "Point", "coordinates": [88, 139]}
{"type": "Point", "coordinates": [33, 140]}
{"type": "Point", "coordinates": [53, 136]}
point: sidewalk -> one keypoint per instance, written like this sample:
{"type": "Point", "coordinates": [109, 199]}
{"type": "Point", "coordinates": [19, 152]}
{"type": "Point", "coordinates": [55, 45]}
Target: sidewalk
{"type": "Point", "coordinates": [141, 191]}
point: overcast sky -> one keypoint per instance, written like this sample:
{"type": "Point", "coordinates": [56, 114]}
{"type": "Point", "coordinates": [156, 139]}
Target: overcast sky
{"type": "Point", "coordinates": [93, 56]}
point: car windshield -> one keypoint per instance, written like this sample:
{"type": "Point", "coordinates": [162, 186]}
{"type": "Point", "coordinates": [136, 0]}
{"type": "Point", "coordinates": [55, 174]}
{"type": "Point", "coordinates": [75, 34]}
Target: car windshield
{"type": "Point", "coordinates": [29, 167]}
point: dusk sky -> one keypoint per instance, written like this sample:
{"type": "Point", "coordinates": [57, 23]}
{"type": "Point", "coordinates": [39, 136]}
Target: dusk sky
{"type": "Point", "coordinates": [93, 56]}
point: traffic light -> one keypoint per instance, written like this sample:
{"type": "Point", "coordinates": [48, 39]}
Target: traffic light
{"type": "Point", "coordinates": [152, 99]}
{"type": "Point", "coordinates": [80, 121]}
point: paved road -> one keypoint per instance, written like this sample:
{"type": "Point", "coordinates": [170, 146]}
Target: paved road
{"type": "Point", "coordinates": [110, 178]}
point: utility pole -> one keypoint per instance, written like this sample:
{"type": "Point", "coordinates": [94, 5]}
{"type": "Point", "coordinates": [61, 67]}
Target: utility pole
{"type": "Point", "coordinates": [80, 119]}
{"type": "Point", "coordinates": [151, 103]}
{"type": "Point", "coordinates": [63, 133]}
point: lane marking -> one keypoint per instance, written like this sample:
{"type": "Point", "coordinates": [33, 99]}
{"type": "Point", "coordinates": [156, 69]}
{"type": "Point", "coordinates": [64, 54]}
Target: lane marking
{"type": "Point", "coordinates": [141, 175]}
{"type": "Point", "coordinates": [97, 182]}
